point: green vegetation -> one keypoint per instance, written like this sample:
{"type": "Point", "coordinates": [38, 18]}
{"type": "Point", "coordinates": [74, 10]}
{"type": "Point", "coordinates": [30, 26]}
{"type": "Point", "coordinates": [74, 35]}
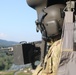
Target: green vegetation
{"type": "Point", "coordinates": [5, 61]}
{"type": "Point", "coordinates": [6, 73]}
{"type": "Point", "coordinates": [22, 73]}
{"type": "Point", "coordinates": [12, 73]}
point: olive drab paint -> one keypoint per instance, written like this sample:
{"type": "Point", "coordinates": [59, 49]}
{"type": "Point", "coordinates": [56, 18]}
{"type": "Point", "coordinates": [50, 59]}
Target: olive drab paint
{"type": "Point", "coordinates": [52, 16]}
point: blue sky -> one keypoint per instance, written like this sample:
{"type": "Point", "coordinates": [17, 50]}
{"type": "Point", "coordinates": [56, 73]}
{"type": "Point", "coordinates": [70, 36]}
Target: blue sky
{"type": "Point", "coordinates": [17, 21]}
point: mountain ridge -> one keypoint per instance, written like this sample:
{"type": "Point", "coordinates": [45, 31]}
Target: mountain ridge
{"type": "Point", "coordinates": [4, 43]}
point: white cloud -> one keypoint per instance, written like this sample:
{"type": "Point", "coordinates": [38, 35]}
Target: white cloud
{"type": "Point", "coordinates": [2, 35]}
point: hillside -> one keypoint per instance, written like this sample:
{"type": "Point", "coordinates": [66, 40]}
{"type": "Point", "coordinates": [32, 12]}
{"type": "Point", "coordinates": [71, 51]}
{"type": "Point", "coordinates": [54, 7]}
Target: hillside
{"type": "Point", "coordinates": [4, 43]}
